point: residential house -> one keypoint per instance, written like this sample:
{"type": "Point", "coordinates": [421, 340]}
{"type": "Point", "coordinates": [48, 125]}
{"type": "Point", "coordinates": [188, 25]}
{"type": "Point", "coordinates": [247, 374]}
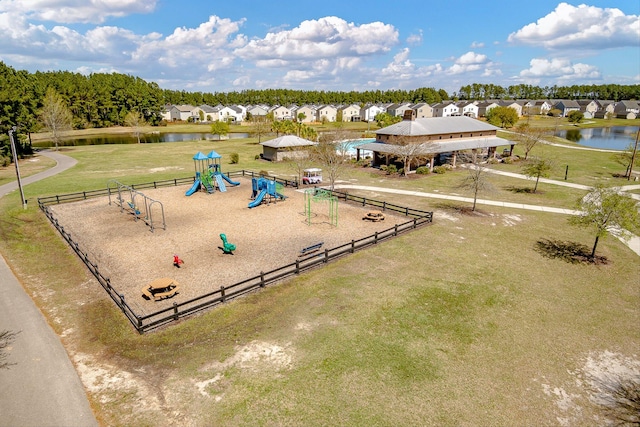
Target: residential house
{"type": "Point", "coordinates": [606, 109]}
{"type": "Point", "coordinates": [468, 108]}
{"type": "Point", "coordinates": [445, 109]}
{"type": "Point", "coordinates": [627, 109]}
{"type": "Point", "coordinates": [206, 113]}
{"type": "Point", "coordinates": [422, 110]}
{"type": "Point", "coordinates": [485, 106]}
{"type": "Point", "coordinates": [397, 110]}
{"type": "Point", "coordinates": [512, 104]}
{"type": "Point", "coordinates": [281, 113]}
{"type": "Point", "coordinates": [257, 110]}
{"type": "Point", "coordinates": [326, 113]}
{"type": "Point", "coordinates": [182, 112]}
{"type": "Point", "coordinates": [350, 113]}
{"type": "Point", "coordinates": [588, 107]}
{"type": "Point", "coordinates": [539, 106]}
{"type": "Point", "coordinates": [369, 112]}
{"type": "Point", "coordinates": [566, 106]}
{"type": "Point", "coordinates": [166, 113]}
{"type": "Point", "coordinates": [308, 111]}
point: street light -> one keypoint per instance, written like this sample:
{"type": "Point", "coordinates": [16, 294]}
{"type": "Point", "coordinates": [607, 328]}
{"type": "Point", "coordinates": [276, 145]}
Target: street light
{"type": "Point", "coordinates": [12, 140]}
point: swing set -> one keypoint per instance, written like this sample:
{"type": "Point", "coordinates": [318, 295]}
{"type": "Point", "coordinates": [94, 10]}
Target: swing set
{"type": "Point", "coordinates": [129, 205]}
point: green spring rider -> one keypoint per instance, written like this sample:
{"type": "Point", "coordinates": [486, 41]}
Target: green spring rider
{"type": "Point", "coordinates": [227, 247]}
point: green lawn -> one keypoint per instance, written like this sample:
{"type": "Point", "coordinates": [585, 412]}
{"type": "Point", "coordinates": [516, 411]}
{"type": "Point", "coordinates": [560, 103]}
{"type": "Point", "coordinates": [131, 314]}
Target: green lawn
{"type": "Point", "coordinates": [464, 322]}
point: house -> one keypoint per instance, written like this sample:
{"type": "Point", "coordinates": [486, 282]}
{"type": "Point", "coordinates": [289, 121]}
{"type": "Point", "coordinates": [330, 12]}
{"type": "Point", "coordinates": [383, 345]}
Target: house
{"type": "Point", "coordinates": [281, 113]}
{"type": "Point", "coordinates": [206, 113]}
{"type": "Point", "coordinates": [229, 114]}
{"type": "Point", "coordinates": [166, 113]}
{"type": "Point", "coordinates": [445, 109]}
{"type": "Point", "coordinates": [369, 112]}
{"type": "Point", "coordinates": [182, 112]}
{"type": "Point", "coordinates": [257, 110]}
{"type": "Point", "coordinates": [397, 110]}
{"type": "Point", "coordinates": [350, 113]}
{"type": "Point", "coordinates": [485, 106]}
{"type": "Point", "coordinates": [606, 109]}
{"type": "Point", "coordinates": [623, 107]}
{"type": "Point", "coordinates": [307, 112]}
{"type": "Point", "coordinates": [422, 110]}
{"type": "Point", "coordinates": [286, 147]}
{"type": "Point", "coordinates": [468, 108]}
{"type": "Point", "coordinates": [512, 104]}
{"type": "Point", "coordinates": [539, 106]}
{"type": "Point", "coordinates": [588, 107]}
{"type": "Point", "coordinates": [434, 137]}
{"type": "Point", "coordinates": [566, 106]}
{"type": "Point", "coordinates": [326, 113]}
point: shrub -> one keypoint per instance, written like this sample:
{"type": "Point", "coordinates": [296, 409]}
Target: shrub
{"type": "Point", "coordinates": [401, 171]}
{"type": "Point", "coordinates": [5, 161]}
{"type": "Point", "coordinates": [257, 157]}
{"type": "Point", "coordinates": [391, 169]}
{"type": "Point", "coordinates": [263, 173]}
{"type": "Point", "coordinates": [423, 170]}
{"type": "Point", "coordinates": [234, 158]}
{"type": "Point", "coordinates": [440, 169]}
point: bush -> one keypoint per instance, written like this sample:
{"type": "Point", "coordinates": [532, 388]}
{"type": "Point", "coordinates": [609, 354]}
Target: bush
{"type": "Point", "coordinates": [263, 173]}
{"type": "Point", "coordinates": [391, 169]}
{"type": "Point", "coordinates": [5, 161]}
{"type": "Point", "coordinates": [234, 158]}
{"type": "Point", "coordinates": [440, 169]}
{"type": "Point", "coordinates": [256, 157]}
{"type": "Point", "coordinates": [423, 170]}
{"type": "Point", "coordinates": [401, 171]}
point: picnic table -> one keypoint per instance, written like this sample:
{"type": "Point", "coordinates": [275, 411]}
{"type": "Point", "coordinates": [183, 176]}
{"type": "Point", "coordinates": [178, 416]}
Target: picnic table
{"type": "Point", "coordinates": [160, 289]}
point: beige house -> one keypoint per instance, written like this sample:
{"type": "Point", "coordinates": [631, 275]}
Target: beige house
{"type": "Point", "coordinates": [281, 113]}
{"type": "Point", "coordinates": [422, 110]}
{"type": "Point", "coordinates": [327, 113]}
{"type": "Point", "coordinates": [435, 137]}
{"type": "Point", "coordinates": [286, 147]}
{"type": "Point", "coordinates": [308, 111]}
{"type": "Point", "coordinates": [350, 113]}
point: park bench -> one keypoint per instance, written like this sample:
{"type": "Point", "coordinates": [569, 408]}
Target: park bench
{"type": "Point", "coordinates": [160, 289]}
{"type": "Point", "coordinates": [311, 249]}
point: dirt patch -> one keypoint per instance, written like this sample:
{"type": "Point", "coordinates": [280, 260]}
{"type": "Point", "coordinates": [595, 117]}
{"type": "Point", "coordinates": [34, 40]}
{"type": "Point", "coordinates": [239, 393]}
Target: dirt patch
{"type": "Point", "coordinates": [266, 237]}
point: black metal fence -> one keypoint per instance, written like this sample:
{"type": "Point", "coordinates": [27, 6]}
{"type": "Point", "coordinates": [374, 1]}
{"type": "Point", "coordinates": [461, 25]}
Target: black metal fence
{"type": "Point", "coordinates": [144, 323]}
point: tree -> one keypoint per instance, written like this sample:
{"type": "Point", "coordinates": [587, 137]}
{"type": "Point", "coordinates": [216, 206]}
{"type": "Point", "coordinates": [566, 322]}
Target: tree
{"type": "Point", "coordinates": [537, 167]}
{"type": "Point", "coordinates": [505, 117]}
{"type": "Point", "coordinates": [220, 128]}
{"type": "Point", "coordinates": [55, 115]}
{"type": "Point", "coordinates": [386, 119]}
{"type": "Point", "coordinates": [624, 158]}
{"type": "Point", "coordinates": [575, 116]}
{"type": "Point", "coordinates": [135, 121]}
{"type": "Point", "coordinates": [260, 126]}
{"type": "Point", "coordinates": [330, 152]}
{"type": "Point", "coordinates": [6, 338]}
{"type": "Point", "coordinates": [408, 153]}
{"type": "Point", "coordinates": [528, 136]}
{"type": "Point", "coordinates": [477, 180]}
{"type": "Point", "coordinates": [605, 210]}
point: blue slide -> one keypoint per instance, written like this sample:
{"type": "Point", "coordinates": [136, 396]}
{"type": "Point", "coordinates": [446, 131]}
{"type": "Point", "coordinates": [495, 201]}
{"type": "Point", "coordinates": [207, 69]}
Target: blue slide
{"type": "Point", "coordinates": [220, 183]}
{"type": "Point", "coordinates": [194, 188]}
{"type": "Point", "coordinates": [226, 178]}
{"type": "Point", "coordinates": [258, 199]}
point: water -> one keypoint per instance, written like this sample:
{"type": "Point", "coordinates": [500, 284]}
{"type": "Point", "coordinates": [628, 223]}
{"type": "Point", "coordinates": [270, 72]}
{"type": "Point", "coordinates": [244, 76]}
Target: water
{"type": "Point", "coordinates": [612, 138]}
{"type": "Point", "coordinates": [144, 138]}
{"type": "Point", "coordinates": [349, 147]}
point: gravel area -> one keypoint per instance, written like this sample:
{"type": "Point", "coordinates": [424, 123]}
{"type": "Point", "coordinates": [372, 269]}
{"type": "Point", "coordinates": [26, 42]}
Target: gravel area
{"type": "Point", "coordinates": [267, 237]}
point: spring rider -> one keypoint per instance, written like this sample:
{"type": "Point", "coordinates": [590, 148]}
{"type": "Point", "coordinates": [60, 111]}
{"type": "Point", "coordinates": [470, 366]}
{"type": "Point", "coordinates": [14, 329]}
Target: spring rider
{"type": "Point", "coordinates": [227, 247]}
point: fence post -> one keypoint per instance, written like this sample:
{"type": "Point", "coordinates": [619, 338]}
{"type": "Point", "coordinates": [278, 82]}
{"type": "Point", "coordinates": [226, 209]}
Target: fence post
{"type": "Point", "coordinates": [395, 232]}
{"type": "Point", "coordinates": [121, 300]}
{"type": "Point", "coordinates": [406, 211]}
{"type": "Point", "coordinates": [364, 201]}
{"type": "Point", "coordinates": [384, 206]}
{"type": "Point", "coordinates": [352, 246]}
{"type": "Point", "coordinates": [375, 238]}
{"type": "Point", "coordinates": [222, 298]}
{"type": "Point", "coordinates": [326, 256]}
{"type": "Point", "coordinates": [415, 222]}
{"type": "Point", "coordinates": [175, 311]}
{"type": "Point", "coordinates": [297, 266]}
{"type": "Point", "coordinates": [262, 279]}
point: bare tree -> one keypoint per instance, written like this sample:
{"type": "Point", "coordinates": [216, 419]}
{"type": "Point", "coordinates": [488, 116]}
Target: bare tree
{"type": "Point", "coordinates": [528, 136]}
{"type": "Point", "coordinates": [408, 153]}
{"type": "Point", "coordinates": [261, 126]}
{"type": "Point", "coordinates": [135, 121]}
{"type": "Point", "coordinates": [331, 154]}
{"type": "Point", "coordinates": [55, 115]}
{"type": "Point", "coordinates": [6, 338]}
{"type": "Point", "coordinates": [477, 179]}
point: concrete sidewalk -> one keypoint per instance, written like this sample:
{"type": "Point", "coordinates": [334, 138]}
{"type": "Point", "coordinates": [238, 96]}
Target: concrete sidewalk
{"type": "Point", "coordinates": [43, 387]}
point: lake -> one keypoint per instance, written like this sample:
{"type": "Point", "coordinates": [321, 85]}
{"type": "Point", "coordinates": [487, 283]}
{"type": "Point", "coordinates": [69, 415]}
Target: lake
{"type": "Point", "coordinates": [145, 138]}
{"type": "Point", "coordinates": [612, 138]}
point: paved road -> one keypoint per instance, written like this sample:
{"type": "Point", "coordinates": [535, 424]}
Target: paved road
{"type": "Point", "coordinates": [43, 388]}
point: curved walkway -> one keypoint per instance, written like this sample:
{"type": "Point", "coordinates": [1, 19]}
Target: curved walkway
{"type": "Point", "coordinates": [43, 387]}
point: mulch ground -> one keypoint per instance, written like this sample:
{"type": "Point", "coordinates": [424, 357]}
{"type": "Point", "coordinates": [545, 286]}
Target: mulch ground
{"type": "Point", "coordinates": [268, 236]}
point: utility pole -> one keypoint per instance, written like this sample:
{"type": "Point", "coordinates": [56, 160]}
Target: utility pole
{"type": "Point", "coordinates": [633, 155]}
{"type": "Point", "coordinates": [12, 140]}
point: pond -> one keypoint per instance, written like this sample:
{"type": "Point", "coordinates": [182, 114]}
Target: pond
{"type": "Point", "coordinates": [612, 138]}
{"type": "Point", "coordinates": [144, 138]}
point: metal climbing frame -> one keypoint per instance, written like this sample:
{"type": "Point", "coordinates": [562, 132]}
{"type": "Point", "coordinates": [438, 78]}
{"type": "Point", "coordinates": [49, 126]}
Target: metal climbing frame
{"type": "Point", "coordinates": [130, 205]}
{"type": "Point", "coordinates": [321, 195]}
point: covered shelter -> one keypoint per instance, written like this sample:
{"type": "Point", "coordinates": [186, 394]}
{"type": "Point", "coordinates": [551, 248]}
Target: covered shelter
{"type": "Point", "coordinates": [286, 146]}
{"type": "Point", "coordinates": [433, 138]}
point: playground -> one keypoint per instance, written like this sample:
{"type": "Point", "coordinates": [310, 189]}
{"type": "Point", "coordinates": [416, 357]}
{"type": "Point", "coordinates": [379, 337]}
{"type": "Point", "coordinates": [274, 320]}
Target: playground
{"type": "Point", "coordinates": [266, 235]}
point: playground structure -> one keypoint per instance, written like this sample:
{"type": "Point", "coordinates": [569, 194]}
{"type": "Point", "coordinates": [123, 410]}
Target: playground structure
{"type": "Point", "coordinates": [208, 174]}
{"type": "Point", "coordinates": [130, 205]}
{"type": "Point", "coordinates": [265, 190]}
{"type": "Point", "coordinates": [316, 195]}
{"type": "Point", "coordinates": [227, 247]}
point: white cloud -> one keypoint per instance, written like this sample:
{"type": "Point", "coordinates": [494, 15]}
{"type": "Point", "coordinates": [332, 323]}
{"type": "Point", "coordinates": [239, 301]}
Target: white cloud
{"type": "Point", "coordinates": [560, 69]}
{"type": "Point", "coordinates": [415, 39]}
{"type": "Point", "coordinates": [74, 11]}
{"type": "Point", "coordinates": [469, 62]}
{"type": "Point", "coordinates": [327, 37]}
{"type": "Point", "coordinates": [477, 45]}
{"type": "Point", "coordinates": [583, 27]}
{"type": "Point", "coordinates": [403, 69]}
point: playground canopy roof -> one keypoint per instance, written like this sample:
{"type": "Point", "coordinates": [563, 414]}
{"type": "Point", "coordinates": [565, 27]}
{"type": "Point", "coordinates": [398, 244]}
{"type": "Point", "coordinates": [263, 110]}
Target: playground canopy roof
{"type": "Point", "coordinates": [288, 141]}
{"type": "Point", "coordinates": [200, 156]}
{"type": "Point", "coordinates": [213, 155]}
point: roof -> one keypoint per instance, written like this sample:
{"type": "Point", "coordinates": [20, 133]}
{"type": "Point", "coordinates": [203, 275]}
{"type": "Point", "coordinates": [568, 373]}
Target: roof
{"type": "Point", "coordinates": [444, 146]}
{"type": "Point", "coordinates": [436, 126]}
{"type": "Point", "coordinates": [287, 141]}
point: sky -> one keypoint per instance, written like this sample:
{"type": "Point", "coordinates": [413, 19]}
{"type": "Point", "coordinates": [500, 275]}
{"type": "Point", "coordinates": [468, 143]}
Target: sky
{"type": "Point", "coordinates": [222, 46]}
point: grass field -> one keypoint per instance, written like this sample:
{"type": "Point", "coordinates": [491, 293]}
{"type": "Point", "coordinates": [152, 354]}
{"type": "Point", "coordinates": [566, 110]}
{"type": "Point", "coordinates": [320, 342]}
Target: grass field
{"type": "Point", "coordinates": [462, 323]}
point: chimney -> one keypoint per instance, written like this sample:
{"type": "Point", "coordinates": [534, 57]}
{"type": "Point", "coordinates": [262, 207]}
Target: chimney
{"type": "Point", "coordinates": [409, 115]}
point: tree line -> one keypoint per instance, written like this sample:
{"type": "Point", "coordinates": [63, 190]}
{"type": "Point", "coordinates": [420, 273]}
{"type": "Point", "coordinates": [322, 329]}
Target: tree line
{"type": "Point", "coordinates": [613, 92]}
